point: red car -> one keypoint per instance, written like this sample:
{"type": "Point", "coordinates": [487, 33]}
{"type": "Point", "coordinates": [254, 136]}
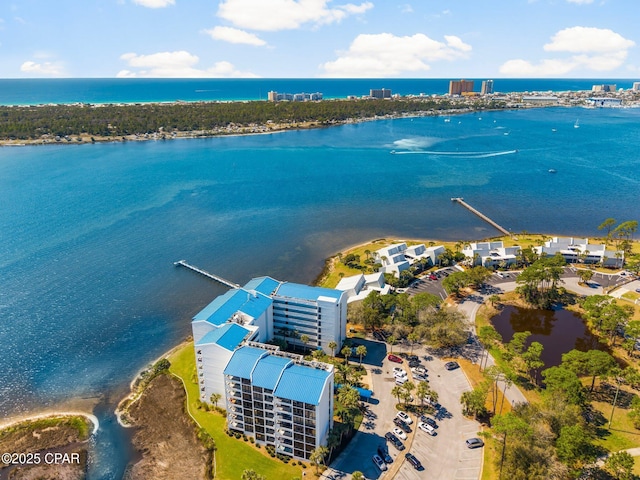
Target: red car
{"type": "Point", "coordinates": [393, 358]}
{"type": "Point", "coordinates": [432, 277]}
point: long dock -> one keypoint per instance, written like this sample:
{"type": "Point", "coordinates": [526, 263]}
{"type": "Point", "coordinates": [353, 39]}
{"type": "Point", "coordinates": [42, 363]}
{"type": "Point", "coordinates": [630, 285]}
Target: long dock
{"type": "Point", "coordinates": [224, 281]}
{"type": "Point", "coordinates": [461, 201]}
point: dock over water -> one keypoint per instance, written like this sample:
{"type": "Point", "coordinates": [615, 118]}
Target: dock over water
{"type": "Point", "coordinates": [224, 281]}
{"type": "Point", "coordinates": [461, 201]}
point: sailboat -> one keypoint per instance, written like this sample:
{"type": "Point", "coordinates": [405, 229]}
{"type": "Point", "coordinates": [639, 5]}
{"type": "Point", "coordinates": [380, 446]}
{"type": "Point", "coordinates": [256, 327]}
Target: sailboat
{"type": "Point", "coordinates": [577, 124]}
{"type": "Point", "coordinates": [447, 119]}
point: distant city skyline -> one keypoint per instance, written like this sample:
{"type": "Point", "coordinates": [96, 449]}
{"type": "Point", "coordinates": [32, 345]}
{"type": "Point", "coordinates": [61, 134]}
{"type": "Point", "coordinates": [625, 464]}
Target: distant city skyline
{"type": "Point", "coordinates": [319, 38]}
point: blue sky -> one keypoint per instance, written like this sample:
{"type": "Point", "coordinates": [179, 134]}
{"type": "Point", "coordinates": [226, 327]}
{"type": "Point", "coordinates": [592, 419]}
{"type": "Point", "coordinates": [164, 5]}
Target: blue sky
{"type": "Point", "coordinates": [320, 38]}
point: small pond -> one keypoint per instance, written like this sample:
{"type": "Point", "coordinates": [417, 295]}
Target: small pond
{"type": "Point", "coordinates": [559, 331]}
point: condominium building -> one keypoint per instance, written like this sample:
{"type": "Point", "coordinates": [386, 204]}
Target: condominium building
{"type": "Point", "coordinates": [264, 309]}
{"type": "Point", "coordinates": [459, 87]}
{"type": "Point", "coordinates": [399, 257]}
{"type": "Point", "coordinates": [294, 97]}
{"type": "Point", "coordinates": [279, 399]}
{"type": "Point", "coordinates": [487, 87]}
{"type": "Point", "coordinates": [491, 254]}
{"type": "Point", "coordinates": [604, 88]}
{"type": "Point", "coordinates": [580, 250]}
{"type": "Point", "coordinates": [380, 93]}
{"type": "Point", "coordinates": [636, 86]}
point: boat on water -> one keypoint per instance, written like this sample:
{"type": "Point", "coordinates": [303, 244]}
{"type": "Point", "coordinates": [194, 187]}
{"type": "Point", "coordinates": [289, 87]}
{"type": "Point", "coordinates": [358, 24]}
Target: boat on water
{"type": "Point", "coordinates": [447, 119]}
{"type": "Point", "coordinates": [553, 170]}
{"type": "Point", "coordinates": [554, 129]}
{"type": "Point", "coordinates": [577, 124]}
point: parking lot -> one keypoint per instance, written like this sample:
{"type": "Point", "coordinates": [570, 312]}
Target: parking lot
{"type": "Point", "coordinates": [443, 456]}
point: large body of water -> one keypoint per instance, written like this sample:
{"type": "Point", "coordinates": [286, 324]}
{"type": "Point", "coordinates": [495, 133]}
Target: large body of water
{"type": "Point", "coordinates": [89, 233]}
{"type": "Point", "coordinates": [121, 90]}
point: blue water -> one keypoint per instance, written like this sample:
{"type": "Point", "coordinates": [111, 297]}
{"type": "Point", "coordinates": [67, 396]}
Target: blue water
{"type": "Point", "coordinates": [89, 233]}
{"type": "Point", "coordinates": [121, 90]}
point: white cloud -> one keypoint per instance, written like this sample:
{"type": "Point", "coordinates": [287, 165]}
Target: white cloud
{"type": "Point", "coordinates": [580, 2]}
{"type": "Point", "coordinates": [45, 68]}
{"type": "Point", "coordinates": [285, 14]}
{"type": "Point", "coordinates": [386, 55]}
{"type": "Point", "coordinates": [154, 3]}
{"type": "Point", "coordinates": [594, 49]}
{"type": "Point", "coordinates": [180, 64]}
{"type": "Point", "coordinates": [588, 39]}
{"type": "Point", "coordinates": [234, 35]}
{"type": "Point", "coordinates": [406, 8]}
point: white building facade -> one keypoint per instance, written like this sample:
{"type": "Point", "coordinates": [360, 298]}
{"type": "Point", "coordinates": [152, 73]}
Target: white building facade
{"type": "Point", "coordinates": [576, 250]}
{"type": "Point", "coordinates": [491, 254]}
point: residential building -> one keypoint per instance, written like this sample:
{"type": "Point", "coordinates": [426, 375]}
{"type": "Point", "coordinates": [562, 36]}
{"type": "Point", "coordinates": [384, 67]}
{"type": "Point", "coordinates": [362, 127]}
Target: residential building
{"type": "Point", "coordinates": [262, 310]}
{"type": "Point", "coordinates": [460, 87]}
{"type": "Point", "coordinates": [398, 257]}
{"type": "Point", "coordinates": [487, 87]}
{"type": "Point", "coordinates": [294, 97]}
{"type": "Point", "coordinates": [580, 250]}
{"type": "Point", "coordinates": [636, 86]}
{"type": "Point", "coordinates": [604, 88]}
{"type": "Point", "coordinates": [540, 100]}
{"type": "Point", "coordinates": [279, 399]}
{"type": "Point", "coordinates": [358, 287]}
{"type": "Point", "coordinates": [491, 254]}
{"type": "Point", "coordinates": [380, 93]}
{"type": "Point", "coordinates": [604, 102]}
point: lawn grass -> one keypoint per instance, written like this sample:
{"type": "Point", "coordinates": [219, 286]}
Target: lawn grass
{"type": "Point", "coordinates": [233, 456]}
{"type": "Point", "coordinates": [491, 454]}
{"type": "Point", "coordinates": [622, 434]}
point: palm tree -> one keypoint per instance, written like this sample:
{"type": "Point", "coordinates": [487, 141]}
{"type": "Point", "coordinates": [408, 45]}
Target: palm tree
{"type": "Point", "coordinates": [304, 339]}
{"type": "Point", "coordinates": [357, 475]}
{"type": "Point", "coordinates": [407, 388]}
{"type": "Point", "coordinates": [317, 456]}
{"type": "Point", "coordinates": [397, 392]}
{"type": "Point", "coordinates": [423, 391]}
{"type": "Point", "coordinates": [392, 340]}
{"type": "Point", "coordinates": [346, 351]}
{"type": "Point", "coordinates": [333, 440]}
{"type": "Point", "coordinates": [413, 338]}
{"type": "Point", "coordinates": [215, 398]}
{"type": "Point", "coordinates": [333, 345]}
{"type": "Point", "coordinates": [361, 351]}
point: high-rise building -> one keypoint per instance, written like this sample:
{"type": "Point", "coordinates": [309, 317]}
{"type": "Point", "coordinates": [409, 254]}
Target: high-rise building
{"type": "Point", "coordinates": [487, 87]}
{"type": "Point", "coordinates": [636, 86]}
{"type": "Point", "coordinates": [279, 399]}
{"type": "Point", "coordinates": [380, 93]}
{"type": "Point", "coordinates": [458, 87]}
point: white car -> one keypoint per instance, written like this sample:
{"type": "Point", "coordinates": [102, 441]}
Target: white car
{"type": "Point", "coordinates": [379, 463]}
{"type": "Point", "coordinates": [399, 433]}
{"type": "Point", "coordinates": [405, 418]}
{"type": "Point", "coordinates": [425, 427]}
{"type": "Point", "coordinates": [400, 375]}
{"type": "Point", "coordinates": [401, 380]}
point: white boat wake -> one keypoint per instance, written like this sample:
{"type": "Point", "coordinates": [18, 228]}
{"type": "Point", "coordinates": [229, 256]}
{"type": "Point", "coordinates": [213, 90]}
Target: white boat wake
{"type": "Point", "coordinates": [457, 154]}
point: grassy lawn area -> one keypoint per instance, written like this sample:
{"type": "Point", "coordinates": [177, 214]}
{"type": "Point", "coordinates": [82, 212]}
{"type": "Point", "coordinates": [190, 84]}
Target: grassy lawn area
{"type": "Point", "coordinates": [622, 434]}
{"type": "Point", "coordinates": [632, 296]}
{"type": "Point", "coordinates": [233, 456]}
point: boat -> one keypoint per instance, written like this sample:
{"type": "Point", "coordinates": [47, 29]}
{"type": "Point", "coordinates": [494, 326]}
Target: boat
{"type": "Point", "coordinates": [554, 130]}
{"type": "Point", "coordinates": [553, 170]}
{"type": "Point", "coordinates": [577, 124]}
{"type": "Point", "coordinates": [447, 119]}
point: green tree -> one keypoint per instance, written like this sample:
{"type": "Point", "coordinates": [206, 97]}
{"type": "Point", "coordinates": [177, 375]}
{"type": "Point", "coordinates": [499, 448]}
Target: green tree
{"type": "Point", "coordinates": [413, 339]}
{"type": "Point", "coordinates": [397, 392]}
{"type": "Point", "coordinates": [346, 352]}
{"type": "Point", "coordinates": [455, 282]}
{"type": "Point", "coordinates": [333, 345]}
{"type": "Point", "coordinates": [318, 455]}
{"type": "Point", "coordinates": [533, 361]}
{"type": "Point", "coordinates": [564, 383]}
{"type": "Point", "coordinates": [634, 411]}
{"type": "Point", "coordinates": [423, 391]}
{"type": "Point", "coordinates": [407, 389]}
{"type": "Point", "coordinates": [488, 337]}
{"type": "Point", "coordinates": [357, 475]}
{"type": "Point", "coordinates": [607, 224]}
{"type": "Point", "coordinates": [620, 465]}
{"type": "Point", "coordinates": [215, 398]}
{"type": "Point", "coordinates": [593, 363]}
{"type": "Point", "coordinates": [585, 275]}
{"type": "Point", "coordinates": [574, 446]}
{"type": "Point", "coordinates": [305, 340]}
{"type": "Point", "coordinates": [473, 401]}
{"type": "Point", "coordinates": [361, 351]}
{"type": "Point", "coordinates": [392, 340]}
{"type": "Point", "coordinates": [538, 283]}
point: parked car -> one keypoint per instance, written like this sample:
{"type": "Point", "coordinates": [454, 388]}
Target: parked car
{"type": "Point", "coordinates": [395, 359]}
{"type": "Point", "coordinates": [379, 463]}
{"type": "Point", "coordinates": [474, 442]}
{"type": "Point", "coordinates": [413, 461]}
{"type": "Point", "coordinates": [384, 454]}
{"type": "Point", "coordinates": [414, 363]}
{"type": "Point", "coordinates": [428, 421]}
{"type": "Point", "coordinates": [402, 425]}
{"type": "Point", "coordinates": [404, 417]}
{"type": "Point", "coordinates": [432, 277]}
{"type": "Point", "coordinates": [378, 335]}
{"type": "Point", "coordinates": [399, 433]}
{"type": "Point", "coordinates": [395, 441]}
{"type": "Point", "coordinates": [399, 370]}
{"type": "Point", "coordinates": [419, 370]}
{"type": "Point", "coordinates": [425, 427]}
{"type": "Point", "coordinates": [451, 365]}
{"type": "Point", "coordinates": [412, 357]}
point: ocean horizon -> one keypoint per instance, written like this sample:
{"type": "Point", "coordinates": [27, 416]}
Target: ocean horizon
{"type": "Point", "coordinates": [89, 233]}
{"type": "Point", "coordinates": [145, 90]}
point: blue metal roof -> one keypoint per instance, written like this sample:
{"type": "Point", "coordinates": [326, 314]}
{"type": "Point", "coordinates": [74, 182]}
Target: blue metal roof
{"type": "Point", "coordinates": [228, 336]}
{"type": "Point", "coordinates": [307, 292]}
{"type": "Point", "coordinates": [303, 384]}
{"type": "Point", "coordinates": [255, 304]}
{"type": "Point", "coordinates": [243, 361]}
{"type": "Point", "coordinates": [268, 370]}
{"type": "Point", "coordinates": [222, 307]}
{"type": "Point", "coordinates": [264, 285]}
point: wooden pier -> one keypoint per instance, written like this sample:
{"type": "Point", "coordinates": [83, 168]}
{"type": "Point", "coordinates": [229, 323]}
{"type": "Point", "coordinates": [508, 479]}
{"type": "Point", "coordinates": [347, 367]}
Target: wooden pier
{"type": "Point", "coordinates": [183, 263]}
{"type": "Point", "coordinates": [461, 201]}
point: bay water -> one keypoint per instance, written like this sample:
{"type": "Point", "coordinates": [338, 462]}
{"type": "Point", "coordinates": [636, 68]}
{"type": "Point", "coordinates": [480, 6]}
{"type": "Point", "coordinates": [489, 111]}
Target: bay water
{"type": "Point", "coordinates": [89, 233]}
